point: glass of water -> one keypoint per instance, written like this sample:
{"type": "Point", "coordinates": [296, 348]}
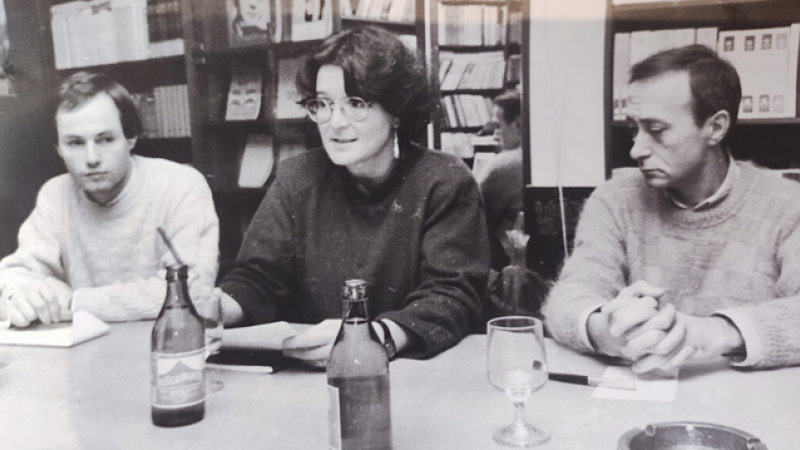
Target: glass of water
{"type": "Point", "coordinates": [209, 308]}
{"type": "Point", "coordinates": [517, 365]}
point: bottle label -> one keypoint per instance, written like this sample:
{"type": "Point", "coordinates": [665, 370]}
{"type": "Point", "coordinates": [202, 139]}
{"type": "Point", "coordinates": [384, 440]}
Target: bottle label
{"type": "Point", "coordinates": [334, 419]}
{"type": "Point", "coordinates": [178, 379]}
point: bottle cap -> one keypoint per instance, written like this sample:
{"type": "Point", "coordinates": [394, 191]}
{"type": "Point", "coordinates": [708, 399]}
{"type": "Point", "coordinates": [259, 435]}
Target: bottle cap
{"type": "Point", "coordinates": [354, 289]}
{"type": "Point", "coordinates": [180, 272]}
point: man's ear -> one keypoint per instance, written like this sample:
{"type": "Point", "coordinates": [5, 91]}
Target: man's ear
{"type": "Point", "coordinates": [517, 124]}
{"type": "Point", "coordinates": [717, 127]}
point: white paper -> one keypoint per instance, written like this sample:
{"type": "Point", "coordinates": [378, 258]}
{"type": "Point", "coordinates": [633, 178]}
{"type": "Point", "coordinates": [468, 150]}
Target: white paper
{"type": "Point", "coordinates": [649, 387]}
{"type": "Point", "coordinates": [84, 326]}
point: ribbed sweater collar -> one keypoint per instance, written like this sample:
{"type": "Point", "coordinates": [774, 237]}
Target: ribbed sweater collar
{"type": "Point", "coordinates": [720, 212]}
{"type": "Point", "coordinates": [123, 203]}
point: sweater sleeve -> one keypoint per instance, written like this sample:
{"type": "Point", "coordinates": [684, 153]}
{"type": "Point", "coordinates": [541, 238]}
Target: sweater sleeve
{"type": "Point", "coordinates": [266, 260]}
{"type": "Point", "coordinates": [190, 222]}
{"type": "Point", "coordinates": [592, 275]}
{"type": "Point", "coordinates": [773, 327]}
{"type": "Point", "coordinates": [40, 238]}
{"type": "Point", "coordinates": [454, 272]}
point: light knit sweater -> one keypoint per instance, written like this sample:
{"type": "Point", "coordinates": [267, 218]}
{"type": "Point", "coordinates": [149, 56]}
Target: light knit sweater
{"type": "Point", "coordinates": [739, 258]}
{"type": "Point", "coordinates": [112, 255]}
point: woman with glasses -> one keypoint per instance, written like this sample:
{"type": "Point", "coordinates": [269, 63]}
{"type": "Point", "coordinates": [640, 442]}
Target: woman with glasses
{"type": "Point", "coordinates": [371, 204]}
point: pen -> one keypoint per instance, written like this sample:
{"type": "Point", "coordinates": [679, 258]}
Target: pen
{"type": "Point", "coordinates": [593, 381]}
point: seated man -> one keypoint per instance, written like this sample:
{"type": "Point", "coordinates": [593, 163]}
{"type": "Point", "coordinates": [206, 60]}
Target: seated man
{"type": "Point", "coordinates": [695, 256]}
{"type": "Point", "coordinates": [91, 242]}
{"type": "Point", "coordinates": [500, 181]}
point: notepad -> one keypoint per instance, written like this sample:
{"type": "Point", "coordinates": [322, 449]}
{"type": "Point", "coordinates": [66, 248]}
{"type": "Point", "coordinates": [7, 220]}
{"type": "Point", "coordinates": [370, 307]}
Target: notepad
{"type": "Point", "coordinates": [649, 387]}
{"type": "Point", "coordinates": [254, 361]}
{"type": "Point", "coordinates": [84, 327]}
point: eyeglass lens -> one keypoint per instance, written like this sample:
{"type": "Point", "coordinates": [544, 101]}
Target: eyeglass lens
{"type": "Point", "coordinates": [320, 110]}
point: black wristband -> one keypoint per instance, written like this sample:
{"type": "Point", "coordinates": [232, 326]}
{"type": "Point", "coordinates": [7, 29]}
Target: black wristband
{"type": "Point", "coordinates": [388, 341]}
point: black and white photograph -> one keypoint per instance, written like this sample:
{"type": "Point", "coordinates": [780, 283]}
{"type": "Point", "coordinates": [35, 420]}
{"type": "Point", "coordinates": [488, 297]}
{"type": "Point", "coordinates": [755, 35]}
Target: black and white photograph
{"type": "Point", "coordinates": [399, 224]}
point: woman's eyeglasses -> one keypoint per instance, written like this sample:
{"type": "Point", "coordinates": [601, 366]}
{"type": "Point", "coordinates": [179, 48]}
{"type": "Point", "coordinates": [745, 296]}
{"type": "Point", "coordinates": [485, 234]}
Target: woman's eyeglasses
{"type": "Point", "coordinates": [320, 110]}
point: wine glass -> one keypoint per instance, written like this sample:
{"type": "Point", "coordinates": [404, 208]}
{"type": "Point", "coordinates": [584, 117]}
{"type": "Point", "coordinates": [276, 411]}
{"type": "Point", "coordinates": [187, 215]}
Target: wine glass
{"type": "Point", "coordinates": [210, 310]}
{"type": "Point", "coordinates": [517, 365]}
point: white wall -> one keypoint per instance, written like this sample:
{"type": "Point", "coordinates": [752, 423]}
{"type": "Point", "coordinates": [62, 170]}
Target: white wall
{"type": "Point", "coordinates": [566, 92]}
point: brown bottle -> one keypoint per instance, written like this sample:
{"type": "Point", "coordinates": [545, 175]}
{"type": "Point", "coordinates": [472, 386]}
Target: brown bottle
{"type": "Point", "coordinates": [358, 379]}
{"type": "Point", "coordinates": [177, 357]}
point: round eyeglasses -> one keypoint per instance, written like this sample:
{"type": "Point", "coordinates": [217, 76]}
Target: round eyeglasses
{"type": "Point", "coordinates": [320, 110]}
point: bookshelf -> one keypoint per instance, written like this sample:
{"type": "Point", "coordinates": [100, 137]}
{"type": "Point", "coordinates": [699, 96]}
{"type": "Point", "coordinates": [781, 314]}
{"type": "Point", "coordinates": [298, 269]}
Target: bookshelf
{"type": "Point", "coordinates": [475, 56]}
{"type": "Point", "coordinates": [769, 141]}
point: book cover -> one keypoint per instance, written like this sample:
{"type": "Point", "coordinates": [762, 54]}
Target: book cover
{"type": "Point", "coordinates": [258, 159]}
{"type": "Point", "coordinates": [311, 19]}
{"type": "Point", "coordinates": [251, 21]}
{"type": "Point", "coordinates": [286, 104]}
{"type": "Point", "coordinates": [244, 96]}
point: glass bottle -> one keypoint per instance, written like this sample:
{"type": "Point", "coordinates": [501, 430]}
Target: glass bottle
{"type": "Point", "coordinates": [177, 357]}
{"type": "Point", "coordinates": [358, 379]}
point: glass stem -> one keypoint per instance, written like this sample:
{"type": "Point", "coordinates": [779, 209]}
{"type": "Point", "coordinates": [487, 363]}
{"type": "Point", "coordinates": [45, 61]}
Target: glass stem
{"type": "Point", "coordinates": [519, 414]}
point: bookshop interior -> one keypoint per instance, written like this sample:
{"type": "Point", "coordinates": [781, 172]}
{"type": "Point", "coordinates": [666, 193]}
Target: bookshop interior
{"type": "Point", "coordinates": [214, 85]}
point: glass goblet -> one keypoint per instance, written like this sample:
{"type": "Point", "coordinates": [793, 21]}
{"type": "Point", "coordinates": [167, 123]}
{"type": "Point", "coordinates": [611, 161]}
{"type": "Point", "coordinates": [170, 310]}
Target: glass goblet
{"type": "Point", "coordinates": [210, 310]}
{"type": "Point", "coordinates": [517, 365]}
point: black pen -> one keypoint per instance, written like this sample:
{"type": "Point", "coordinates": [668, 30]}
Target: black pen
{"type": "Point", "coordinates": [593, 381]}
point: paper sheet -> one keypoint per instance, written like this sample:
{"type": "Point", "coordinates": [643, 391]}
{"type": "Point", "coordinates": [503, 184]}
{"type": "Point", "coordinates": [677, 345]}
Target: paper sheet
{"type": "Point", "coordinates": [657, 388]}
{"type": "Point", "coordinates": [84, 326]}
{"type": "Point", "coordinates": [269, 336]}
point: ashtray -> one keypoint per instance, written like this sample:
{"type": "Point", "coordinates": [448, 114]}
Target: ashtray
{"type": "Point", "coordinates": [688, 436]}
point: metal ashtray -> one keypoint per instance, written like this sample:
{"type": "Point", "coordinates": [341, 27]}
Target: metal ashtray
{"type": "Point", "coordinates": [688, 436]}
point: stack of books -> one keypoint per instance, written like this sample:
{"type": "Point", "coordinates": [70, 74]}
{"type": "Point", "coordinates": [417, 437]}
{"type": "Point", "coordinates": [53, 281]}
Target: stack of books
{"type": "Point", "coordinates": [164, 111]}
{"type": "Point", "coordinates": [89, 33]}
{"type": "Point", "coordinates": [466, 110]}
{"type": "Point", "coordinates": [472, 24]}
{"type": "Point", "coordinates": [463, 71]}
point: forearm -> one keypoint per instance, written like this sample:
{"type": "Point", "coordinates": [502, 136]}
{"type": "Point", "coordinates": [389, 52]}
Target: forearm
{"type": "Point", "coordinates": [123, 301]}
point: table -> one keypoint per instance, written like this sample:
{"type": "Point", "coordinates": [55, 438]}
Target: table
{"type": "Point", "coordinates": [96, 396]}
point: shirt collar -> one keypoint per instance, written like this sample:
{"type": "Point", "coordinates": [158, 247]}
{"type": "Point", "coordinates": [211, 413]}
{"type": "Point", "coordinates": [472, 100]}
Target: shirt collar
{"type": "Point", "coordinates": [723, 191]}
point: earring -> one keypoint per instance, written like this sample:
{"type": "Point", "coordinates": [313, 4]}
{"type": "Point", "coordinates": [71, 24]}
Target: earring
{"type": "Point", "coordinates": [396, 145]}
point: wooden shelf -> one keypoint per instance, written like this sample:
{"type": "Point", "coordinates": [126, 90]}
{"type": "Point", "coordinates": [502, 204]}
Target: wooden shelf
{"type": "Point", "coordinates": [471, 48]}
{"type": "Point", "coordinates": [397, 27]}
{"type": "Point", "coordinates": [125, 66]}
{"type": "Point", "coordinates": [489, 92]}
{"type": "Point", "coordinates": [740, 122]}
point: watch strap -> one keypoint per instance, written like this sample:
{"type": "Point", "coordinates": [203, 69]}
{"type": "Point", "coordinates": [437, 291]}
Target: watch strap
{"type": "Point", "coordinates": [388, 342]}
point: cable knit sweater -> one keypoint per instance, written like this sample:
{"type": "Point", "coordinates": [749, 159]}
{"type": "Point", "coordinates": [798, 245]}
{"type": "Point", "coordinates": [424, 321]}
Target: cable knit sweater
{"type": "Point", "coordinates": [739, 258]}
{"type": "Point", "coordinates": [111, 255]}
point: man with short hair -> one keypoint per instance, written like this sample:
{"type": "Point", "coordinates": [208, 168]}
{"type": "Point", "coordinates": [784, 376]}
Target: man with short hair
{"type": "Point", "coordinates": [91, 242]}
{"type": "Point", "coordinates": [500, 180]}
{"type": "Point", "coordinates": [694, 257]}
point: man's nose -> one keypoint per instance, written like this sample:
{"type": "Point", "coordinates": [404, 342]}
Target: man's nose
{"type": "Point", "coordinates": [641, 147]}
{"type": "Point", "coordinates": [92, 155]}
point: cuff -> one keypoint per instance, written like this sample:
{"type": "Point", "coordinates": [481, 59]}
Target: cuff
{"type": "Point", "coordinates": [752, 343]}
{"type": "Point", "coordinates": [583, 325]}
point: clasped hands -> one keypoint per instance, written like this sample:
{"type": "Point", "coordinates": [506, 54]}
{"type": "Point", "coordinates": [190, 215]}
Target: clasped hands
{"type": "Point", "coordinates": [45, 299]}
{"type": "Point", "coordinates": [634, 326]}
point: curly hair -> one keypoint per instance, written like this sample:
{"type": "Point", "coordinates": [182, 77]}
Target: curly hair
{"type": "Point", "coordinates": [379, 68]}
{"type": "Point", "coordinates": [81, 87]}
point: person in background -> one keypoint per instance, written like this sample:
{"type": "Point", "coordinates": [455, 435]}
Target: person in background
{"type": "Point", "coordinates": [500, 180]}
{"type": "Point", "coordinates": [91, 242]}
{"type": "Point", "coordinates": [372, 205]}
{"type": "Point", "coordinates": [694, 256]}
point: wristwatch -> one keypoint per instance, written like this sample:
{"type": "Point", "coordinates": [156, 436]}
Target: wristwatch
{"type": "Point", "coordinates": [388, 342]}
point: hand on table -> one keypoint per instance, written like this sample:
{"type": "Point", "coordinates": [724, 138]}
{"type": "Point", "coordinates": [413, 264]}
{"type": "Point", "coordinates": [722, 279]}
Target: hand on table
{"type": "Point", "coordinates": [313, 346]}
{"type": "Point", "coordinates": [45, 299]}
{"type": "Point", "coordinates": [618, 328]}
{"type": "Point", "coordinates": [701, 339]}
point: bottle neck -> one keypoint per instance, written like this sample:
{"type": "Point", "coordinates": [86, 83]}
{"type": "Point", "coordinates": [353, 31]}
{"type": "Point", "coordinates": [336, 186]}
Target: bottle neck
{"type": "Point", "coordinates": [355, 310]}
{"type": "Point", "coordinates": [177, 293]}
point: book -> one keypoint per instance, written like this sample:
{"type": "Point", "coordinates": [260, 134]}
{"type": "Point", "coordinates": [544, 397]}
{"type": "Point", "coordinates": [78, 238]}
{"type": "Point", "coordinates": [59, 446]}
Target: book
{"type": "Point", "coordinates": [84, 327]}
{"type": "Point", "coordinates": [287, 97]}
{"type": "Point", "coordinates": [258, 160]}
{"type": "Point", "coordinates": [620, 74]}
{"type": "Point", "coordinates": [254, 361]}
{"type": "Point", "coordinates": [311, 19]}
{"type": "Point", "coordinates": [244, 96]}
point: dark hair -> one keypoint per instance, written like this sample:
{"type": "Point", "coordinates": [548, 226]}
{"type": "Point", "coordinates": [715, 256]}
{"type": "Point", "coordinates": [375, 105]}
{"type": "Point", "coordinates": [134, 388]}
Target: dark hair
{"type": "Point", "coordinates": [81, 87]}
{"type": "Point", "coordinates": [713, 81]}
{"type": "Point", "coordinates": [379, 68]}
{"type": "Point", "coordinates": [509, 102]}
